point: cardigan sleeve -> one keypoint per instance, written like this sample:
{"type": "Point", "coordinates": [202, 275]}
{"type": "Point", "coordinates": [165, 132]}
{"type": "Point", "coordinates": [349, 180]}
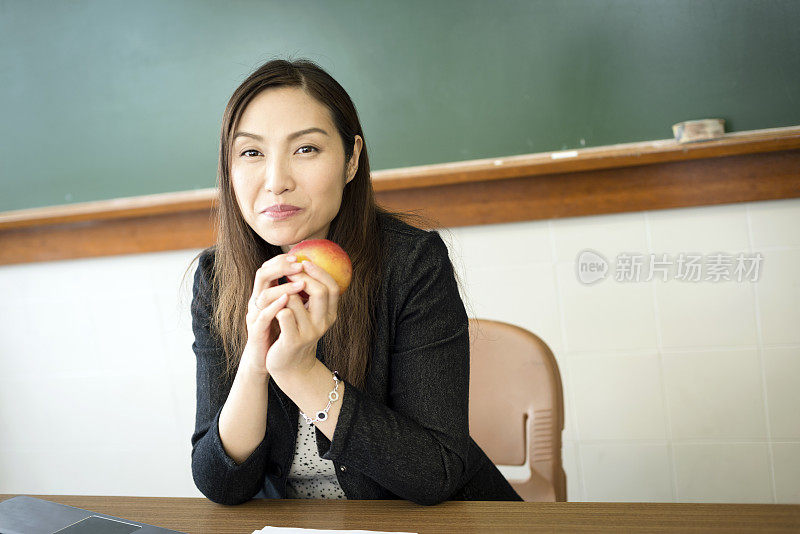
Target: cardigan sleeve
{"type": "Point", "coordinates": [216, 474]}
{"type": "Point", "coordinates": [417, 448]}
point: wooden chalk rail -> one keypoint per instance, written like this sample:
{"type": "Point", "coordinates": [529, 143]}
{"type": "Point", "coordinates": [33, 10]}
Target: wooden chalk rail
{"type": "Point", "coordinates": [738, 167]}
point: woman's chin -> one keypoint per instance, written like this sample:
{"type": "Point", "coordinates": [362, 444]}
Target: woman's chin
{"type": "Point", "coordinates": [285, 240]}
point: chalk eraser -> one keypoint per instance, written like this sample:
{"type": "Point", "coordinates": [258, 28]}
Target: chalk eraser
{"type": "Point", "coordinates": [699, 130]}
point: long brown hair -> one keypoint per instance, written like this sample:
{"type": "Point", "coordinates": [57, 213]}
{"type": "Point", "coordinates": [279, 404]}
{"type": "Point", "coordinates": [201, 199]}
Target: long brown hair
{"type": "Point", "coordinates": [240, 251]}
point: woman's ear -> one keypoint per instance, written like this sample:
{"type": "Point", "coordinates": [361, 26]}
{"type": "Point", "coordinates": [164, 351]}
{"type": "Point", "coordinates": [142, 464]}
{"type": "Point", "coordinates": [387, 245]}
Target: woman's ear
{"type": "Point", "coordinates": [352, 166]}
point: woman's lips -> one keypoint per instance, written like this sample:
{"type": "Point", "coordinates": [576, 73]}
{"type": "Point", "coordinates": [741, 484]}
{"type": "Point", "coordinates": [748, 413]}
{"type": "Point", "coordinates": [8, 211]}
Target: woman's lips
{"type": "Point", "coordinates": [280, 215]}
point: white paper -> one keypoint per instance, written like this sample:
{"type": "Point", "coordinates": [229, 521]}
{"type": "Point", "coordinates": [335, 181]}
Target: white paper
{"type": "Point", "coordinates": [297, 530]}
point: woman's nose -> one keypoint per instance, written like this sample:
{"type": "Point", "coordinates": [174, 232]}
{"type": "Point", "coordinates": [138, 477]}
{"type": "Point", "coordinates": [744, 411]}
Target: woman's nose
{"type": "Point", "coordinates": [277, 176]}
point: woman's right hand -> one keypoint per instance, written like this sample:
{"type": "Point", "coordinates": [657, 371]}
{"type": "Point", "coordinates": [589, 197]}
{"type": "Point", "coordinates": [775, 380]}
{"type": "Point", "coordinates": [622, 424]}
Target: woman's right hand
{"type": "Point", "coordinates": [271, 297]}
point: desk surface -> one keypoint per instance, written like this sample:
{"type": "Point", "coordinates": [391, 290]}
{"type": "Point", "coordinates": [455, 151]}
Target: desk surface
{"type": "Point", "coordinates": [196, 516]}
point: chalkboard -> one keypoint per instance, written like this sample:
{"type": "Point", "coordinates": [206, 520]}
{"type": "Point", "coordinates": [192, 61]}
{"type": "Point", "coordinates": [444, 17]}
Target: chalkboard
{"type": "Point", "coordinates": [104, 99]}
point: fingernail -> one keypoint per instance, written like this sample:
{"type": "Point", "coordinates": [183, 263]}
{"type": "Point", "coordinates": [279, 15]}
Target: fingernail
{"type": "Point", "coordinates": [306, 263]}
{"type": "Point", "coordinates": [291, 258]}
{"type": "Point", "coordinates": [298, 284]}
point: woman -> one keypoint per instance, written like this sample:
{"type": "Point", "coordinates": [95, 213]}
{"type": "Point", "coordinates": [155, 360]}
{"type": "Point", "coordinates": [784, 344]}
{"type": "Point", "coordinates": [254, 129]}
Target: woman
{"type": "Point", "coordinates": [359, 395]}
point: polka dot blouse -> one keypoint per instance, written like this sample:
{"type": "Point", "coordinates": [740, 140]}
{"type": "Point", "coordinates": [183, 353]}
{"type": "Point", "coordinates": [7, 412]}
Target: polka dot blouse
{"type": "Point", "coordinates": [310, 476]}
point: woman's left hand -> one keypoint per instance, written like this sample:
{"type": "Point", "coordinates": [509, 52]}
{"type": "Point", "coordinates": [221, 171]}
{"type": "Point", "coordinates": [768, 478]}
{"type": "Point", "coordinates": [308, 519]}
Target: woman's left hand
{"type": "Point", "coordinates": [302, 325]}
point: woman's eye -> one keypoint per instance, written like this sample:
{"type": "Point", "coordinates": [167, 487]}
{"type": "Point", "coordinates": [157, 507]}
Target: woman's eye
{"type": "Point", "coordinates": [246, 151]}
{"type": "Point", "coordinates": [307, 146]}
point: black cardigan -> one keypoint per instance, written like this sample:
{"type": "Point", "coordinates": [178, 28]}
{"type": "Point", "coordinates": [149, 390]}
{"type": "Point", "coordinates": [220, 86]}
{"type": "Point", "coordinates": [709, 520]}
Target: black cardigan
{"type": "Point", "coordinates": [405, 435]}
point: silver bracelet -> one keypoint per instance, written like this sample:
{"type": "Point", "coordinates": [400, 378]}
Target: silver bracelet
{"type": "Point", "coordinates": [333, 396]}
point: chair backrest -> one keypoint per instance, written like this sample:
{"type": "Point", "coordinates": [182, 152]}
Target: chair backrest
{"type": "Point", "coordinates": [516, 406]}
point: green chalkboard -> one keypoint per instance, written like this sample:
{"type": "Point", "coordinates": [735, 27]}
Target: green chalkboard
{"type": "Point", "coordinates": [104, 99]}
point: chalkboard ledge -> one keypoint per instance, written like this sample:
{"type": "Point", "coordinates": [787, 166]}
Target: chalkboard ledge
{"type": "Point", "coordinates": [738, 167]}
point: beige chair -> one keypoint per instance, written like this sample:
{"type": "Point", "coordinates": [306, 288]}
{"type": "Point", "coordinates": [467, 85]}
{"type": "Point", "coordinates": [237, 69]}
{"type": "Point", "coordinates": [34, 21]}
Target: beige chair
{"type": "Point", "coordinates": [516, 406]}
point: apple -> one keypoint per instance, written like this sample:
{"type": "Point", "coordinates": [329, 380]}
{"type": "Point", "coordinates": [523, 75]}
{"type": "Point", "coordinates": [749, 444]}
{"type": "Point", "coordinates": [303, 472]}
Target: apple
{"type": "Point", "coordinates": [327, 255]}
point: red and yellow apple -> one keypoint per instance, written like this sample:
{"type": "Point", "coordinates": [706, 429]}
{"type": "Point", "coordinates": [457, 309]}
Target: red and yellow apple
{"type": "Point", "coordinates": [327, 255]}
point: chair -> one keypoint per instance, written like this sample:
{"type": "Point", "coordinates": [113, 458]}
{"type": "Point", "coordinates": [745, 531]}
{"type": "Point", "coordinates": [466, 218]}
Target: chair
{"type": "Point", "coordinates": [516, 406]}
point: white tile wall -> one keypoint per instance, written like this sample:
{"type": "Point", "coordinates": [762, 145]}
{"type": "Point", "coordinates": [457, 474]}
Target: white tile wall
{"type": "Point", "coordinates": [723, 472]}
{"type": "Point", "coordinates": [605, 386]}
{"type": "Point", "coordinates": [606, 234]}
{"type": "Point", "coordinates": [715, 395]}
{"type": "Point", "coordinates": [774, 224]}
{"type": "Point", "coordinates": [674, 391]}
{"type": "Point", "coordinates": [782, 378]}
{"type": "Point", "coordinates": [786, 464]}
{"type": "Point", "coordinates": [606, 316]}
{"type": "Point", "coordinates": [706, 314]}
{"type": "Point", "coordinates": [97, 377]}
{"type": "Point", "coordinates": [569, 459]}
{"type": "Point", "coordinates": [524, 296]}
{"type": "Point", "coordinates": [633, 472]}
{"type": "Point", "coordinates": [698, 229]}
{"type": "Point", "coordinates": [778, 296]}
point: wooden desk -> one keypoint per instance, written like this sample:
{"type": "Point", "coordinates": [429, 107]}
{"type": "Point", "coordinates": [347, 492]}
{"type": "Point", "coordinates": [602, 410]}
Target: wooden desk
{"type": "Point", "coordinates": [196, 516]}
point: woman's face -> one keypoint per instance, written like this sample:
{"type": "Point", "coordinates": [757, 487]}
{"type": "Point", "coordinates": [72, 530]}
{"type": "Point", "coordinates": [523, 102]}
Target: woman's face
{"type": "Point", "coordinates": [273, 164]}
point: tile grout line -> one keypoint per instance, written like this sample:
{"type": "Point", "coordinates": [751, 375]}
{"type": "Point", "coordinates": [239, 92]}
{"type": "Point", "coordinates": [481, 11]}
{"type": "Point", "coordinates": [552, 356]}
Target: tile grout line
{"type": "Point", "coordinates": [664, 397]}
{"type": "Point", "coordinates": [570, 393]}
{"type": "Point", "coordinates": [760, 353]}
{"type": "Point", "coordinates": [687, 349]}
{"type": "Point", "coordinates": [687, 441]}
